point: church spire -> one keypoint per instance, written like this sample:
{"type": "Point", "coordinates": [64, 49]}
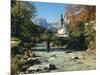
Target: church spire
{"type": "Point", "coordinates": [61, 16]}
{"type": "Point", "coordinates": [61, 20]}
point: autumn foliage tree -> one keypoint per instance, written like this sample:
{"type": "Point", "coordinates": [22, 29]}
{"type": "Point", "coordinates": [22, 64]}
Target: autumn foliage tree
{"type": "Point", "coordinates": [77, 16]}
{"type": "Point", "coordinates": [77, 13]}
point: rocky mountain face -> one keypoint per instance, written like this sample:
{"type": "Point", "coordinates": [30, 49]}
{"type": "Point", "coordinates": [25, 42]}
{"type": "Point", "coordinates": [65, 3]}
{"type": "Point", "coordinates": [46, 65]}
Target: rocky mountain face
{"type": "Point", "coordinates": [54, 25]}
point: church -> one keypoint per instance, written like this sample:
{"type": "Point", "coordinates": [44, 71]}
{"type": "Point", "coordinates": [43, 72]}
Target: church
{"type": "Point", "coordinates": [62, 31]}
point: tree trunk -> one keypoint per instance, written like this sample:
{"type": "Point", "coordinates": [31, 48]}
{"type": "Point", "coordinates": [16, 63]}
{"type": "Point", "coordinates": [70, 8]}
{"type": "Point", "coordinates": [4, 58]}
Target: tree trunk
{"type": "Point", "coordinates": [48, 45]}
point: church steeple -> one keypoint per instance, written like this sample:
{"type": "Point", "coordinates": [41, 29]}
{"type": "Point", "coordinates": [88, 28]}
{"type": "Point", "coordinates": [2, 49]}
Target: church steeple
{"type": "Point", "coordinates": [62, 31]}
{"type": "Point", "coordinates": [61, 16]}
{"type": "Point", "coordinates": [61, 20]}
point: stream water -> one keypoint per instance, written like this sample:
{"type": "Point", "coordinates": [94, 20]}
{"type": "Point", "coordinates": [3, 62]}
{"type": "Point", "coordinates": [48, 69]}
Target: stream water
{"type": "Point", "coordinates": [65, 61]}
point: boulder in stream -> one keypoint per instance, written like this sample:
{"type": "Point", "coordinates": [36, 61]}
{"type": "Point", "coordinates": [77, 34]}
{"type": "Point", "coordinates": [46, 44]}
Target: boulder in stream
{"type": "Point", "coordinates": [68, 51]}
{"type": "Point", "coordinates": [75, 58]}
{"type": "Point", "coordinates": [50, 67]}
{"type": "Point", "coordinates": [32, 61]}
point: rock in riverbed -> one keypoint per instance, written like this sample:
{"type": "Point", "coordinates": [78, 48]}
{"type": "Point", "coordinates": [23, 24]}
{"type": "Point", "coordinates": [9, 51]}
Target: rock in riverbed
{"type": "Point", "coordinates": [50, 67]}
{"type": "Point", "coordinates": [35, 68]}
{"type": "Point", "coordinates": [68, 51]}
{"type": "Point", "coordinates": [32, 61]}
{"type": "Point", "coordinates": [41, 68]}
{"type": "Point", "coordinates": [75, 58]}
{"type": "Point", "coordinates": [32, 55]}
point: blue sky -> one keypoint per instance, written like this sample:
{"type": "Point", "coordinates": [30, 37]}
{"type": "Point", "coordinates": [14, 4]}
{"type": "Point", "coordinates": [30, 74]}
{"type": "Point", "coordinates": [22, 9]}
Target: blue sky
{"type": "Point", "coordinates": [49, 11]}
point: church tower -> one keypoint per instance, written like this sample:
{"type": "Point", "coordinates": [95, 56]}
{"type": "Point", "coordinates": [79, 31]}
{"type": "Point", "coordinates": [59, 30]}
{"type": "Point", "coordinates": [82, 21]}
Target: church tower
{"type": "Point", "coordinates": [62, 32]}
{"type": "Point", "coordinates": [62, 21]}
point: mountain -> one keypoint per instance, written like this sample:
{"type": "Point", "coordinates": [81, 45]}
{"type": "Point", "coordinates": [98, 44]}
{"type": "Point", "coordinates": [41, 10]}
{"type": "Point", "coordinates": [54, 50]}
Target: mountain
{"type": "Point", "coordinates": [41, 22]}
{"type": "Point", "coordinates": [54, 26]}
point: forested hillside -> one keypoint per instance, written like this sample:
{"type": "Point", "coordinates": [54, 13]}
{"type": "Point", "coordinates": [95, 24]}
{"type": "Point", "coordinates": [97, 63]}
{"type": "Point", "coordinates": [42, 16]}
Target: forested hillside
{"type": "Point", "coordinates": [81, 21]}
